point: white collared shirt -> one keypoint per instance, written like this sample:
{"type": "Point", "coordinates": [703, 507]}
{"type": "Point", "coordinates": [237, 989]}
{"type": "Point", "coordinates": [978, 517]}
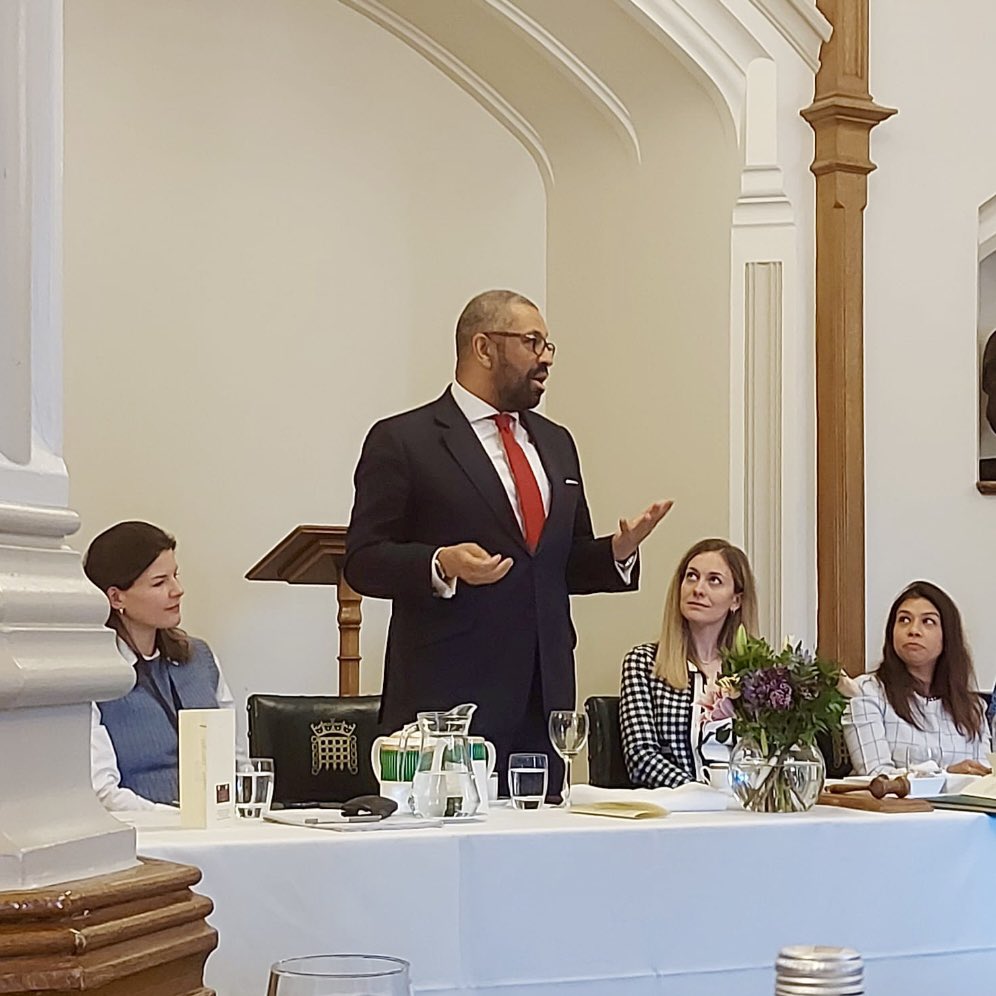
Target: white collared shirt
{"type": "Point", "coordinates": [104, 771]}
{"type": "Point", "coordinates": [480, 415]}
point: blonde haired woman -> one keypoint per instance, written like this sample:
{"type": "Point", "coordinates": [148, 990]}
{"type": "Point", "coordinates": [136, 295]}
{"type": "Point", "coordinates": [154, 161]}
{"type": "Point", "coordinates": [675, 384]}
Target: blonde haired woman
{"type": "Point", "coordinates": [671, 727]}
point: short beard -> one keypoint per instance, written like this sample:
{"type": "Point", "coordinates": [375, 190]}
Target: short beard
{"type": "Point", "coordinates": [517, 394]}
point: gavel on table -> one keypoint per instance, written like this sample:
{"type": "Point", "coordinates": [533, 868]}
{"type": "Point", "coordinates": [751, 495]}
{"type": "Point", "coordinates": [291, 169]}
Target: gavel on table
{"type": "Point", "coordinates": [880, 786]}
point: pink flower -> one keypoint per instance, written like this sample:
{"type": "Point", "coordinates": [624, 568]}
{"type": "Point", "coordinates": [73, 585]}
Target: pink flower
{"type": "Point", "coordinates": [723, 709]}
{"type": "Point", "coordinates": [717, 700]}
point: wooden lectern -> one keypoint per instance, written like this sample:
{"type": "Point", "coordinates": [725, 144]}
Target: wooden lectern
{"type": "Point", "coordinates": [314, 555]}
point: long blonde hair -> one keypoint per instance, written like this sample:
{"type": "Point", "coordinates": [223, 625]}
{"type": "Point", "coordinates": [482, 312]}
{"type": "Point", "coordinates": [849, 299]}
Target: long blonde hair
{"type": "Point", "coordinates": [676, 647]}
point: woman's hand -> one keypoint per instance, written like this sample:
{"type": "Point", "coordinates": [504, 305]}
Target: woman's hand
{"type": "Point", "coordinates": [969, 767]}
{"type": "Point", "coordinates": [847, 686]}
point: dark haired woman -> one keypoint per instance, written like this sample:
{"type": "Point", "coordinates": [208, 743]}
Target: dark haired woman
{"type": "Point", "coordinates": [922, 697]}
{"type": "Point", "coordinates": [134, 740]}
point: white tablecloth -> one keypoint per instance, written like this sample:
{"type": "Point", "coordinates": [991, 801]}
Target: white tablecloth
{"type": "Point", "coordinates": [555, 904]}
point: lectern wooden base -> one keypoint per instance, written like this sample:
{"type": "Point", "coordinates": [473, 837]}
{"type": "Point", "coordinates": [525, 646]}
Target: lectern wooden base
{"type": "Point", "coordinates": [133, 933]}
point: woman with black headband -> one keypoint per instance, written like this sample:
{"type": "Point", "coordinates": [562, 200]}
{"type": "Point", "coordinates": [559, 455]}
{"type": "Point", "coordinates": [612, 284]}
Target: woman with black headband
{"type": "Point", "coordinates": [134, 740]}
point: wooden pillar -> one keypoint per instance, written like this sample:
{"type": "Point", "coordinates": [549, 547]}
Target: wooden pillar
{"type": "Point", "coordinates": [842, 116]}
{"type": "Point", "coordinates": [139, 931]}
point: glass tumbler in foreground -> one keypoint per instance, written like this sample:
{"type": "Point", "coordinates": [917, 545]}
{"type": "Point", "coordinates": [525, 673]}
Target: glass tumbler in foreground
{"type": "Point", "coordinates": [340, 975]}
{"type": "Point", "coordinates": [568, 734]}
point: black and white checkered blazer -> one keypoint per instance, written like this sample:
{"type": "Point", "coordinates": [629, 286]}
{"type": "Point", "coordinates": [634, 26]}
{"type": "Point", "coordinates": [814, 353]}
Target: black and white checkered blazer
{"type": "Point", "coordinates": [655, 721]}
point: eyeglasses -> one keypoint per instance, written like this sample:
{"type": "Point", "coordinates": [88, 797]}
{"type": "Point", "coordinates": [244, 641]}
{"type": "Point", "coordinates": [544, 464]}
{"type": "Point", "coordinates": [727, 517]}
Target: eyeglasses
{"type": "Point", "coordinates": [533, 340]}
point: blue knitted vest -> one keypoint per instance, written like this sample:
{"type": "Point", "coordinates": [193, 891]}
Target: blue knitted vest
{"type": "Point", "coordinates": [143, 724]}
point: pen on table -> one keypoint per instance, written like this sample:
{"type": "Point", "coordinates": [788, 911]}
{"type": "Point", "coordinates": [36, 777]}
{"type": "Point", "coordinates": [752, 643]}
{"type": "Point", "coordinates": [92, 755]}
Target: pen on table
{"type": "Point", "coordinates": [311, 821]}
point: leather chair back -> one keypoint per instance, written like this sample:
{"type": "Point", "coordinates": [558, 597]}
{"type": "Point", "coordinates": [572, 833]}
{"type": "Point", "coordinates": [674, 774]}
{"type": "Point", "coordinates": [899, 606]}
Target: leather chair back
{"type": "Point", "coordinates": [320, 745]}
{"type": "Point", "coordinates": [834, 752]}
{"type": "Point", "coordinates": [606, 767]}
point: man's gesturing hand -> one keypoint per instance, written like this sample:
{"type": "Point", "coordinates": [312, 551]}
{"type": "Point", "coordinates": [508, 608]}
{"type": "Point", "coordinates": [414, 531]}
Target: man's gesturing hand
{"type": "Point", "coordinates": [632, 532]}
{"type": "Point", "coordinates": [473, 564]}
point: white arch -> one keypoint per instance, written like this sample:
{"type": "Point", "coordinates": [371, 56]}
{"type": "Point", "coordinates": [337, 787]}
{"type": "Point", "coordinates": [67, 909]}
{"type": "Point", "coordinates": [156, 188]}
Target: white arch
{"type": "Point", "coordinates": [458, 71]}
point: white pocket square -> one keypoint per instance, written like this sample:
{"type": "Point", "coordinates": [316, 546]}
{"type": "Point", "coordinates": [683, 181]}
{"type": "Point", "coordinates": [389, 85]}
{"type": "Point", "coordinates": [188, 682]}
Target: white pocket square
{"type": "Point", "coordinates": [569, 480]}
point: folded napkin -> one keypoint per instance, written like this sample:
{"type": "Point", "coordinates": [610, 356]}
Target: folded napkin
{"type": "Point", "coordinates": [692, 797]}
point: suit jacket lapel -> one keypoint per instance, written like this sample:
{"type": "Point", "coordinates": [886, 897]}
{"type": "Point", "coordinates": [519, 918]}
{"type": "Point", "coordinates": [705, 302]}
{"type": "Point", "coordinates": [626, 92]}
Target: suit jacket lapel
{"type": "Point", "coordinates": [462, 442]}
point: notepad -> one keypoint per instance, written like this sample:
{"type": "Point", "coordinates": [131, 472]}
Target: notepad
{"type": "Point", "coordinates": [968, 803]}
{"type": "Point", "coordinates": [621, 810]}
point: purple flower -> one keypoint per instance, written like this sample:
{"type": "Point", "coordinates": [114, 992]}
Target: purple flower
{"type": "Point", "coordinates": [781, 696]}
{"type": "Point", "coordinates": [768, 688]}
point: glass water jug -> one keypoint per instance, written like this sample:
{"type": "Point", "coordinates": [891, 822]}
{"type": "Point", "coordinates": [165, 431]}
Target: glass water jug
{"type": "Point", "coordinates": [444, 784]}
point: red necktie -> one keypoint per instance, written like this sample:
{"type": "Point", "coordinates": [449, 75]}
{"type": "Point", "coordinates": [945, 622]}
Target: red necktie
{"type": "Point", "coordinates": [530, 499]}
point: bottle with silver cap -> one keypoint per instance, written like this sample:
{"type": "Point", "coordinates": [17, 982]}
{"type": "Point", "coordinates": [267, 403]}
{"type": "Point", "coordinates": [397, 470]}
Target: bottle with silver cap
{"type": "Point", "coordinates": [817, 970]}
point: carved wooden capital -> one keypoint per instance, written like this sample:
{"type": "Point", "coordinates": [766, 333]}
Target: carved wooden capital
{"type": "Point", "coordinates": [842, 126]}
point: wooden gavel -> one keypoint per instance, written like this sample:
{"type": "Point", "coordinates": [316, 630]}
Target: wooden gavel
{"type": "Point", "coordinates": [880, 786]}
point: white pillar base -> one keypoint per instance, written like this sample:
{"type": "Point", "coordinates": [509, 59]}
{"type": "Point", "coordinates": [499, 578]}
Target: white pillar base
{"type": "Point", "coordinates": [56, 655]}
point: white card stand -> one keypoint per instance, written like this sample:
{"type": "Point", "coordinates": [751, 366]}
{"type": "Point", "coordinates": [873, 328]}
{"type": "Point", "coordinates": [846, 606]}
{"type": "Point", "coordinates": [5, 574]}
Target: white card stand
{"type": "Point", "coordinates": [207, 767]}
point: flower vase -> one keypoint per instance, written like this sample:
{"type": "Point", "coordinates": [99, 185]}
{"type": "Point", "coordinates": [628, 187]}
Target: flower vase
{"type": "Point", "coordinates": [782, 781]}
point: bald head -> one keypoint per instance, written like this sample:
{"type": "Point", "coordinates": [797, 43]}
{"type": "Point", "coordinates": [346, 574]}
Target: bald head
{"type": "Point", "coordinates": [487, 312]}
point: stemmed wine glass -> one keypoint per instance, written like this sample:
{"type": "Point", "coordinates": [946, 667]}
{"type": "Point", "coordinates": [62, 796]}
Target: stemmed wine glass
{"type": "Point", "coordinates": [568, 734]}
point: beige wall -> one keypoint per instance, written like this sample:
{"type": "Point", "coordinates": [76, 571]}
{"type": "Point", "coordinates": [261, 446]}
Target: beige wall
{"type": "Point", "coordinates": [937, 166]}
{"type": "Point", "coordinates": [273, 214]}
{"type": "Point", "coordinates": [639, 282]}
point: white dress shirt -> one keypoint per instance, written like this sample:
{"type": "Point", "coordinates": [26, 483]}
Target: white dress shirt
{"type": "Point", "coordinates": [481, 415]}
{"type": "Point", "coordinates": [104, 762]}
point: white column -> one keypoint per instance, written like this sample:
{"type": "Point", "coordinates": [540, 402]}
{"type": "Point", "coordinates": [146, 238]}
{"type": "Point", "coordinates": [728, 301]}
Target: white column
{"type": "Point", "coordinates": [55, 653]}
{"type": "Point", "coordinates": [763, 437]}
{"type": "Point", "coordinates": [771, 510]}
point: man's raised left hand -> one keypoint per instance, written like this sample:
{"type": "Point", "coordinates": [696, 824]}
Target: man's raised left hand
{"type": "Point", "coordinates": [632, 532]}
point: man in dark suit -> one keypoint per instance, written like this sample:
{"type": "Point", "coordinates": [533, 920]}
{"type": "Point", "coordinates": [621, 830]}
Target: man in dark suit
{"type": "Point", "coordinates": [470, 516]}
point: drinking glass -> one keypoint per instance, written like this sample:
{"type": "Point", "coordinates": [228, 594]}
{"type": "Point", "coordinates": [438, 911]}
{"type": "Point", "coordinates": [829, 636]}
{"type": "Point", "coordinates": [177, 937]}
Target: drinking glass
{"type": "Point", "coordinates": [527, 780]}
{"type": "Point", "coordinates": [340, 975]}
{"type": "Point", "coordinates": [917, 758]}
{"type": "Point", "coordinates": [253, 787]}
{"type": "Point", "coordinates": [568, 734]}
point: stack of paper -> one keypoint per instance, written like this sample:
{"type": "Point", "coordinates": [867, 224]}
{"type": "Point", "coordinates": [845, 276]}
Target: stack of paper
{"type": "Point", "coordinates": [622, 810]}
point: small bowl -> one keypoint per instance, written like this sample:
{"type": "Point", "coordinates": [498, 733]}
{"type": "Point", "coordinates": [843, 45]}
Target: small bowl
{"type": "Point", "coordinates": [719, 777]}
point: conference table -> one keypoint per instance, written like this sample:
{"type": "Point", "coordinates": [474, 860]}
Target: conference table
{"type": "Point", "coordinates": [553, 903]}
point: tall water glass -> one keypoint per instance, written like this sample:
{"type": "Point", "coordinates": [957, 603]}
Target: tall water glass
{"type": "Point", "coordinates": [921, 758]}
{"type": "Point", "coordinates": [568, 734]}
{"type": "Point", "coordinates": [340, 975]}
{"type": "Point", "coordinates": [253, 787]}
{"type": "Point", "coordinates": [527, 780]}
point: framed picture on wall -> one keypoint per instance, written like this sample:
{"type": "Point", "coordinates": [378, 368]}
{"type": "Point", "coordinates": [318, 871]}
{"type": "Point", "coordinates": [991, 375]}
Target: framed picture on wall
{"type": "Point", "coordinates": [987, 412]}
